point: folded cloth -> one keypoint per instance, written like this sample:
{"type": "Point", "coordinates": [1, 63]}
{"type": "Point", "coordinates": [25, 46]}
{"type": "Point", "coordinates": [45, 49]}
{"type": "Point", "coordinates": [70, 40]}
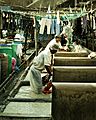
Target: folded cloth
{"type": "Point", "coordinates": [45, 79]}
{"type": "Point", "coordinates": [46, 89]}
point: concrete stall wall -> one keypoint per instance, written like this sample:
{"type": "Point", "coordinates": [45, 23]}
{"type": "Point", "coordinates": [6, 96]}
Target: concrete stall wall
{"type": "Point", "coordinates": [74, 74]}
{"type": "Point", "coordinates": [71, 54]}
{"type": "Point", "coordinates": [74, 101]}
{"type": "Point", "coordinates": [74, 61]}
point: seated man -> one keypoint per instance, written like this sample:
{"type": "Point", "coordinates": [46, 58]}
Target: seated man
{"type": "Point", "coordinates": [40, 62]}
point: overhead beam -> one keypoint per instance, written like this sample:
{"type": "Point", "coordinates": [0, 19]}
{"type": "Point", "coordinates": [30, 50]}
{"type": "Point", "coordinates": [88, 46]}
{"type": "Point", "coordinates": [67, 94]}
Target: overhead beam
{"type": "Point", "coordinates": [32, 3]}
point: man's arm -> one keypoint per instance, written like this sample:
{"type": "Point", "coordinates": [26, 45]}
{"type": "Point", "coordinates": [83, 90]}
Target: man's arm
{"type": "Point", "coordinates": [48, 68]}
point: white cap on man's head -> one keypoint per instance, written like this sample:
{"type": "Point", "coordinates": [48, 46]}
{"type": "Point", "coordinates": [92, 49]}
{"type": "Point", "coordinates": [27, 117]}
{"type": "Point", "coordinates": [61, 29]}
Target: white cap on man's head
{"type": "Point", "coordinates": [57, 36]}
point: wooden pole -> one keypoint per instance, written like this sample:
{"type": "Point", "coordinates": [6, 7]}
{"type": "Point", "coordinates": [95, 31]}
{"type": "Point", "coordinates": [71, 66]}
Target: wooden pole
{"type": "Point", "coordinates": [0, 24]}
{"type": "Point", "coordinates": [35, 36]}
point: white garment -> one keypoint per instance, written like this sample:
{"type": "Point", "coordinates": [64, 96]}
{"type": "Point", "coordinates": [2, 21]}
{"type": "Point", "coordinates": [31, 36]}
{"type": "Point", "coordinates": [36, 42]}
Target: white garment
{"type": "Point", "coordinates": [45, 22]}
{"type": "Point", "coordinates": [44, 58]}
{"type": "Point", "coordinates": [19, 50]}
{"type": "Point", "coordinates": [53, 42]}
{"type": "Point", "coordinates": [58, 17]}
{"type": "Point", "coordinates": [34, 74]}
{"type": "Point", "coordinates": [48, 12]}
{"type": "Point", "coordinates": [34, 22]}
{"type": "Point", "coordinates": [35, 80]}
{"type": "Point", "coordinates": [4, 32]}
{"type": "Point", "coordinates": [92, 55]}
{"type": "Point", "coordinates": [67, 30]}
{"type": "Point", "coordinates": [19, 37]}
{"type": "Point", "coordinates": [94, 24]}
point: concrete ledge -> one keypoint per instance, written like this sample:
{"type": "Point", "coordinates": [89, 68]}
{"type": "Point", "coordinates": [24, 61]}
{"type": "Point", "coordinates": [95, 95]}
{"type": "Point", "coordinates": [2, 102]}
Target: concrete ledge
{"type": "Point", "coordinates": [74, 73]}
{"type": "Point", "coordinates": [23, 117]}
{"type": "Point", "coordinates": [78, 61]}
{"type": "Point", "coordinates": [74, 101]}
{"type": "Point", "coordinates": [71, 54]}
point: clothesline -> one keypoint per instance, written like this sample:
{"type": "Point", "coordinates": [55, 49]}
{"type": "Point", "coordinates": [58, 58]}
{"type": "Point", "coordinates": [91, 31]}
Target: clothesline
{"type": "Point", "coordinates": [65, 17]}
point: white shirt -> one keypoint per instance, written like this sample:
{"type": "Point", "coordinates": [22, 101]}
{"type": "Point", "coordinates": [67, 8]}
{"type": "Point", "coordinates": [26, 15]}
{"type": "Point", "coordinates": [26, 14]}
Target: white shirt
{"type": "Point", "coordinates": [19, 37]}
{"type": "Point", "coordinates": [44, 58]}
{"type": "Point", "coordinates": [52, 42]}
{"type": "Point", "coordinates": [4, 33]}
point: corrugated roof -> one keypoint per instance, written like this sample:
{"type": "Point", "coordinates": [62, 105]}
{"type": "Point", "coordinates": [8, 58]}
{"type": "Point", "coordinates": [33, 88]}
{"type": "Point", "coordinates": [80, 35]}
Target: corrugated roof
{"type": "Point", "coordinates": [43, 4]}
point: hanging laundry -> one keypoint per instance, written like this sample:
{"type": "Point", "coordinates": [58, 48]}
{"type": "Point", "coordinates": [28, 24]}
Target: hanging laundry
{"type": "Point", "coordinates": [19, 50]}
{"type": "Point", "coordinates": [94, 23]}
{"type": "Point", "coordinates": [45, 22]}
{"type": "Point", "coordinates": [58, 23]}
{"type": "Point", "coordinates": [53, 26]}
{"type": "Point", "coordinates": [58, 17]}
{"type": "Point", "coordinates": [49, 11]}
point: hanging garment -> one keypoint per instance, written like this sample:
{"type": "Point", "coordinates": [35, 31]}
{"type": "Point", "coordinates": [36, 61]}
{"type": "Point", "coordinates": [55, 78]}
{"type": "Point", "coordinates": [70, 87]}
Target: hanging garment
{"type": "Point", "coordinates": [19, 50]}
{"type": "Point", "coordinates": [58, 23]}
{"type": "Point", "coordinates": [53, 27]}
{"type": "Point", "coordinates": [94, 23]}
{"type": "Point", "coordinates": [57, 28]}
{"type": "Point", "coordinates": [84, 22]}
{"type": "Point", "coordinates": [58, 17]}
{"type": "Point", "coordinates": [45, 22]}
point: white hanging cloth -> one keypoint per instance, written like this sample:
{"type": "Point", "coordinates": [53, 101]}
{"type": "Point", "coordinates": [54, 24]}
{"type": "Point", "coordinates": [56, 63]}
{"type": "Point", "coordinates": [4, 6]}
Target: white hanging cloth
{"type": "Point", "coordinates": [58, 17]}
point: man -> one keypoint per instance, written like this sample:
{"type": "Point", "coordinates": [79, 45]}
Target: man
{"type": "Point", "coordinates": [40, 62]}
{"type": "Point", "coordinates": [56, 40]}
